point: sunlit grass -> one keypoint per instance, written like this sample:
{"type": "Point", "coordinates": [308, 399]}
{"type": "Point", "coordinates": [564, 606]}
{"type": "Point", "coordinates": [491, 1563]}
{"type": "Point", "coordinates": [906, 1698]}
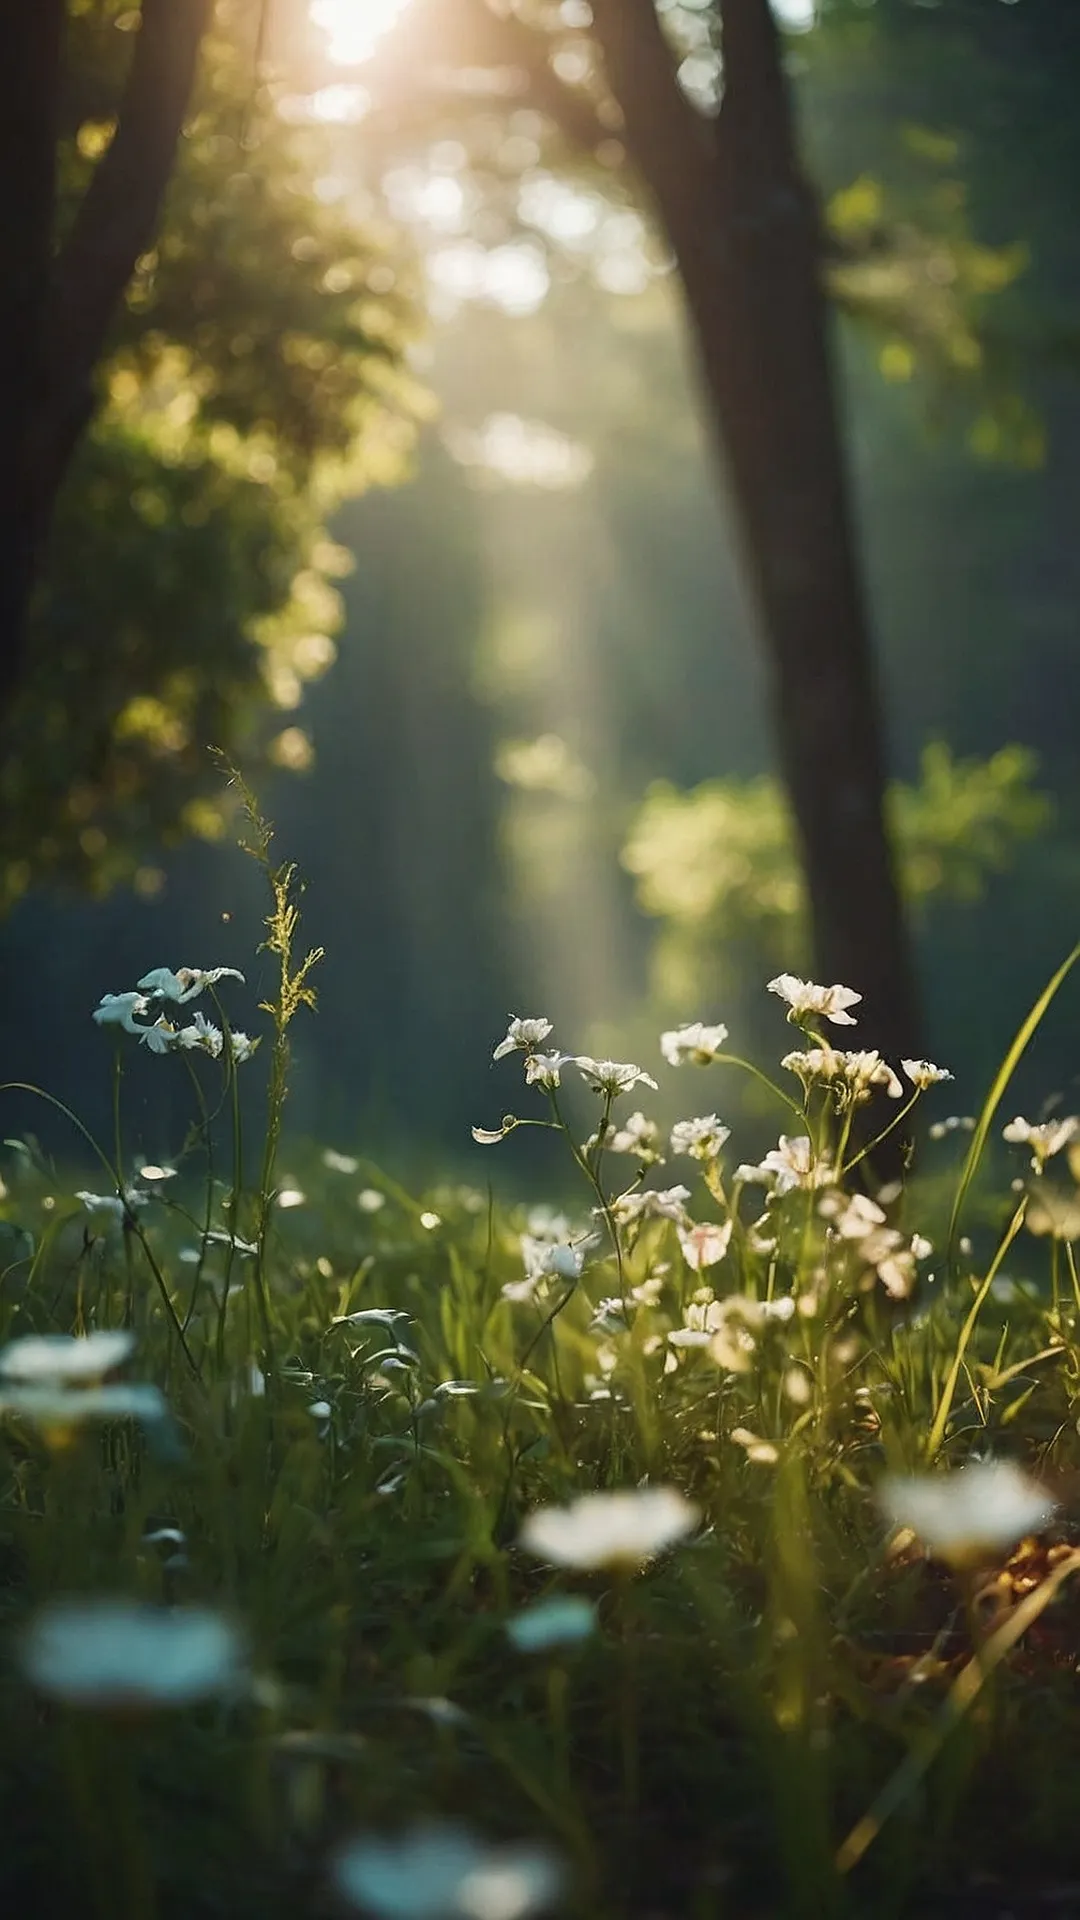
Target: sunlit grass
{"type": "Point", "coordinates": [439, 1556]}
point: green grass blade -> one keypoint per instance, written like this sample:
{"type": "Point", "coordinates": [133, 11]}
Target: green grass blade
{"type": "Point", "coordinates": [1004, 1075]}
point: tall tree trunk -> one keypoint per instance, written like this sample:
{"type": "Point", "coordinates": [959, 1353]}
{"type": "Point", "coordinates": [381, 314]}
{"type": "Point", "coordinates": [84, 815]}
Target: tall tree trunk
{"type": "Point", "coordinates": [745, 231]}
{"type": "Point", "coordinates": [56, 308]}
{"type": "Point", "coordinates": [31, 45]}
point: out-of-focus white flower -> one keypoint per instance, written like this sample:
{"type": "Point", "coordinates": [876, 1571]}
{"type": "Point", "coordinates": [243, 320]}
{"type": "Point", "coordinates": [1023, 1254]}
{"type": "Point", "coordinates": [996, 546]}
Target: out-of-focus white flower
{"type": "Point", "coordinates": [65, 1358]}
{"type": "Point", "coordinates": [564, 1258]}
{"type": "Point", "coordinates": [149, 1171]}
{"type": "Point", "coordinates": [339, 1162]}
{"type": "Point", "coordinates": [701, 1139]}
{"type": "Point", "coordinates": [119, 1009]}
{"type": "Point", "coordinates": [562, 1621]}
{"type": "Point", "coordinates": [545, 1069]}
{"type": "Point", "coordinates": [123, 1656]}
{"type": "Point", "coordinates": [624, 1529]}
{"type": "Point", "coordinates": [490, 1136]}
{"type": "Point", "coordinates": [612, 1077]}
{"type": "Point", "coordinates": [158, 1038]}
{"type": "Point", "coordinates": [370, 1200]}
{"type": "Point", "coordinates": [969, 1516]}
{"type": "Point", "coordinates": [924, 1074]}
{"type": "Point", "coordinates": [704, 1244]}
{"type": "Point", "coordinates": [956, 1122]}
{"type": "Point", "coordinates": [186, 983]}
{"type": "Point", "coordinates": [1044, 1139]}
{"type": "Point", "coordinates": [289, 1197]}
{"type": "Point", "coordinates": [1054, 1213]}
{"type": "Point", "coordinates": [56, 1409]}
{"type": "Point", "coordinates": [693, 1045]}
{"type": "Point", "coordinates": [921, 1247]}
{"type": "Point", "coordinates": [661, 1203]}
{"type": "Point", "coordinates": [760, 1453]}
{"type": "Point", "coordinates": [805, 998]}
{"type": "Point", "coordinates": [610, 1316]}
{"type": "Point", "coordinates": [523, 1035]}
{"type": "Point", "coordinates": [119, 1206]}
{"type": "Point", "coordinates": [443, 1873]}
{"type": "Point", "coordinates": [201, 1034]}
{"type": "Point", "coordinates": [855, 1219]}
{"type": "Point", "coordinates": [637, 1136]}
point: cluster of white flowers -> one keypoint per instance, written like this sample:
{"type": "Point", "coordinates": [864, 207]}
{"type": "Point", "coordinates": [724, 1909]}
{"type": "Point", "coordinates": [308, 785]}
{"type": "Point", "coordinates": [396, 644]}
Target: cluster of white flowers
{"type": "Point", "coordinates": [881, 1249]}
{"type": "Point", "coordinates": [1046, 1138]}
{"type": "Point", "coordinates": [141, 1012]}
{"type": "Point", "coordinates": [58, 1381]}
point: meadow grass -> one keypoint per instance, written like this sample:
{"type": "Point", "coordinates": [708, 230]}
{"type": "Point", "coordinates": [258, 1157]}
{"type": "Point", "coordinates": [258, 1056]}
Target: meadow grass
{"type": "Point", "coordinates": [778, 1702]}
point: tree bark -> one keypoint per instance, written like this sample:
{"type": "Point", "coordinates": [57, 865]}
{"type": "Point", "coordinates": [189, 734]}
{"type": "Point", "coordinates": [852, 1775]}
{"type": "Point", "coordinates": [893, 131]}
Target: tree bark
{"type": "Point", "coordinates": [56, 311]}
{"type": "Point", "coordinates": [745, 230]}
{"type": "Point", "coordinates": [31, 45]}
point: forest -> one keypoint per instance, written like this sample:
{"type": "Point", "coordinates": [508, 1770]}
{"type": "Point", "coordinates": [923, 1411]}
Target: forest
{"type": "Point", "coordinates": [561, 505]}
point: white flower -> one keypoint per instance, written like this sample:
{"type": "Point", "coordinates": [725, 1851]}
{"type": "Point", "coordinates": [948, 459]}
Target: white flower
{"type": "Point", "coordinates": [701, 1139]}
{"type": "Point", "coordinates": [1045, 1139]}
{"type": "Point", "coordinates": [490, 1136]}
{"type": "Point", "coordinates": [370, 1200]}
{"type": "Point", "coordinates": [610, 1316]}
{"type": "Point", "coordinates": [119, 1009]}
{"type": "Point", "coordinates": [121, 1655]}
{"type": "Point", "coordinates": [637, 1136]}
{"type": "Point", "coordinates": [859, 1217]}
{"type": "Point", "coordinates": [694, 1045]}
{"type": "Point", "coordinates": [862, 1071]}
{"type": "Point", "coordinates": [442, 1873]}
{"type": "Point", "coordinates": [55, 1408]}
{"type": "Point", "coordinates": [561, 1621]}
{"type": "Point", "coordinates": [923, 1073]}
{"type": "Point", "coordinates": [65, 1358]}
{"type": "Point", "coordinates": [705, 1244]}
{"type": "Point", "coordinates": [202, 1034]}
{"type": "Point", "coordinates": [804, 998]}
{"type": "Point", "coordinates": [624, 1529]}
{"type": "Point", "coordinates": [814, 1063]}
{"type": "Point", "coordinates": [968, 1516]}
{"type": "Point", "coordinates": [612, 1077]}
{"type": "Point", "coordinates": [789, 1164]}
{"type": "Point", "coordinates": [159, 1037]}
{"type": "Point", "coordinates": [760, 1453]}
{"type": "Point", "coordinates": [186, 983]}
{"type": "Point", "coordinates": [664, 1203]}
{"type": "Point", "coordinates": [119, 1205]}
{"type": "Point", "coordinates": [545, 1069]}
{"type": "Point", "coordinates": [563, 1258]}
{"type": "Point", "coordinates": [338, 1162]}
{"type": "Point", "coordinates": [241, 1046]}
{"type": "Point", "coordinates": [523, 1036]}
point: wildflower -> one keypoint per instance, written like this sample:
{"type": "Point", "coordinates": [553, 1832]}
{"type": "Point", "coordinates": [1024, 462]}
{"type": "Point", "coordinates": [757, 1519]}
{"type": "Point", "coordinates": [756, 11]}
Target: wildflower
{"type": "Point", "coordinates": [859, 1217]}
{"type": "Point", "coordinates": [701, 1139]}
{"type": "Point", "coordinates": [968, 1516]}
{"type": "Point", "coordinates": [201, 1034]}
{"type": "Point", "coordinates": [733, 1323]}
{"type": "Point", "coordinates": [637, 1136]}
{"type": "Point", "coordinates": [612, 1077]}
{"type": "Point", "coordinates": [814, 1063]}
{"type": "Point", "coordinates": [55, 1410]}
{"type": "Point", "coordinates": [561, 1621]}
{"type": "Point", "coordinates": [694, 1045]}
{"type": "Point", "coordinates": [338, 1162]}
{"type": "Point", "coordinates": [370, 1200]}
{"type": "Point", "coordinates": [119, 1009]}
{"type": "Point", "coordinates": [924, 1074]}
{"type": "Point", "coordinates": [760, 1453]}
{"type": "Point", "coordinates": [241, 1046]}
{"type": "Point", "coordinates": [545, 1069]}
{"type": "Point", "coordinates": [159, 1037]}
{"type": "Point", "coordinates": [662, 1203]}
{"type": "Point", "coordinates": [789, 1164]}
{"type": "Point", "coordinates": [442, 1873]}
{"type": "Point", "coordinates": [804, 998]}
{"type": "Point", "coordinates": [186, 983]}
{"type": "Point", "coordinates": [289, 1197]}
{"type": "Point", "coordinates": [705, 1244]}
{"type": "Point", "coordinates": [1055, 1213]}
{"type": "Point", "coordinates": [65, 1358]}
{"type": "Point", "coordinates": [610, 1316]}
{"type": "Point", "coordinates": [119, 1205]}
{"type": "Point", "coordinates": [623, 1530]}
{"type": "Point", "coordinates": [522, 1035]}
{"type": "Point", "coordinates": [123, 1655]}
{"type": "Point", "coordinates": [1045, 1139]}
{"type": "Point", "coordinates": [563, 1258]}
{"type": "Point", "coordinates": [490, 1136]}
{"type": "Point", "coordinates": [864, 1071]}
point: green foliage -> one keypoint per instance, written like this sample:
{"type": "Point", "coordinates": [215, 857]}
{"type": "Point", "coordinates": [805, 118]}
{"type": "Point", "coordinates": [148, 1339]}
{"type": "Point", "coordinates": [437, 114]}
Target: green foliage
{"type": "Point", "coordinates": [782, 1712]}
{"type": "Point", "coordinates": [254, 379]}
{"type": "Point", "coordinates": [718, 865]}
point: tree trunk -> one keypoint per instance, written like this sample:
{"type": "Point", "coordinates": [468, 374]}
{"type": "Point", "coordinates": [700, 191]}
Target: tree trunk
{"type": "Point", "coordinates": [745, 231]}
{"type": "Point", "coordinates": [31, 45]}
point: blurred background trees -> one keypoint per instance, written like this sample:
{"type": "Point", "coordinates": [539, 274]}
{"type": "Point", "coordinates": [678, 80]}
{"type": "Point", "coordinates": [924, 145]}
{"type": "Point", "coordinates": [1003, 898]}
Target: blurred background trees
{"type": "Point", "coordinates": [545, 646]}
